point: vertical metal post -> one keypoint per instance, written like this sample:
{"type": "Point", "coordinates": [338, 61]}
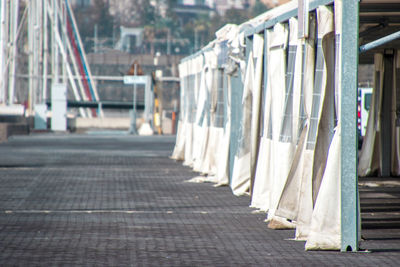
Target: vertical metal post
{"type": "Point", "coordinates": [386, 114]}
{"type": "Point", "coordinates": [3, 47]}
{"type": "Point", "coordinates": [168, 41]}
{"type": "Point", "coordinates": [31, 37]}
{"type": "Point", "coordinates": [133, 129]}
{"type": "Point", "coordinates": [14, 51]}
{"type": "Point", "coordinates": [63, 20]}
{"type": "Point", "coordinates": [349, 178]}
{"type": "Point", "coordinates": [45, 50]}
{"type": "Point", "coordinates": [55, 51]}
{"type": "Point", "coordinates": [95, 38]}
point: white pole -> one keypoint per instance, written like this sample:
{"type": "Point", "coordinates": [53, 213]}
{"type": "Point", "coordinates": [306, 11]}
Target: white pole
{"type": "Point", "coordinates": [36, 52]}
{"type": "Point", "coordinates": [62, 12]}
{"type": "Point", "coordinates": [3, 48]}
{"type": "Point", "coordinates": [39, 50]}
{"type": "Point", "coordinates": [31, 33]}
{"type": "Point", "coordinates": [55, 52]}
{"type": "Point", "coordinates": [45, 50]}
{"type": "Point", "coordinates": [14, 50]}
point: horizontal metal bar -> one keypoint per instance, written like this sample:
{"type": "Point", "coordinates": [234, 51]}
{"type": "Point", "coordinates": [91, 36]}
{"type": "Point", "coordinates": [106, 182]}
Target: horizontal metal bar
{"type": "Point", "coordinates": [379, 42]}
{"type": "Point", "coordinates": [286, 16]}
{"type": "Point", "coordinates": [102, 78]}
{"type": "Point", "coordinates": [103, 104]}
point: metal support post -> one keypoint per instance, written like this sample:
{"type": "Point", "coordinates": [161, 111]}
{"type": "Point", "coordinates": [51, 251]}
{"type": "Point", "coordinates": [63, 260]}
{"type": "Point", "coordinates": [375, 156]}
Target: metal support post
{"type": "Point", "coordinates": [45, 50]}
{"type": "Point", "coordinates": [133, 129]}
{"type": "Point", "coordinates": [348, 177]}
{"type": "Point", "coordinates": [386, 114]}
{"type": "Point", "coordinates": [14, 50]}
{"type": "Point", "coordinates": [4, 12]}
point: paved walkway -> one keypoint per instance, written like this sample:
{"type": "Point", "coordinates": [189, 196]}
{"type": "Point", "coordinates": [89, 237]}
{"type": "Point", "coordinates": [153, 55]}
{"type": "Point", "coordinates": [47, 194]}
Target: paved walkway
{"type": "Point", "coordinates": [115, 200]}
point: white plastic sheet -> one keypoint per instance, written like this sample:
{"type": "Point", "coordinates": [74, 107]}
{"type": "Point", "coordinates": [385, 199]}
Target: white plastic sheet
{"type": "Point", "coordinates": [281, 151]}
{"type": "Point", "coordinates": [296, 187]}
{"type": "Point", "coordinates": [240, 182]}
{"type": "Point", "coordinates": [223, 151]}
{"type": "Point", "coordinates": [179, 149]}
{"type": "Point", "coordinates": [258, 51]}
{"type": "Point", "coordinates": [325, 226]}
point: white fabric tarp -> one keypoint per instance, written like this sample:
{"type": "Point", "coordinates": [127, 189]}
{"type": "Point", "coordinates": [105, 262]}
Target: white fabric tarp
{"type": "Point", "coordinates": [258, 51]}
{"type": "Point", "coordinates": [325, 226]}
{"type": "Point", "coordinates": [222, 175]}
{"type": "Point", "coordinates": [179, 149]}
{"type": "Point", "coordinates": [240, 182]}
{"type": "Point", "coordinates": [214, 133]}
{"type": "Point", "coordinates": [321, 121]}
{"type": "Point", "coordinates": [191, 147]}
{"type": "Point", "coordinates": [202, 122]}
{"type": "Point", "coordinates": [281, 151]}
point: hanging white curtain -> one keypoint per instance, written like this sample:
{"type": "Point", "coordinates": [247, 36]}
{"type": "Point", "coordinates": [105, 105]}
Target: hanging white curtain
{"type": "Point", "coordinates": [212, 134]}
{"type": "Point", "coordinates": [280, 119]}
{"type": "Point", "coordinates": [223, 151]}
{"type": "Point", "coordinates": [196, 66]}
{"type": "Point", "coordinates": [258, 51]}
{"type": "Point", "coordinates": [320, 131]}
{"type": "Point", "coordinates": [260, 198]}
{"type": "Point", "coordinates": [201, 125]}
{"type": "Point", "coordinates": [240, 182]}
{"type": "Point", "coordinates": [179, 149]}
{"type": "Point", "coordinates": [369, 158]}
{"type": "Point", "coordinates": [289, 201]}
{"type": "Point", "coordinates": [325, 230]}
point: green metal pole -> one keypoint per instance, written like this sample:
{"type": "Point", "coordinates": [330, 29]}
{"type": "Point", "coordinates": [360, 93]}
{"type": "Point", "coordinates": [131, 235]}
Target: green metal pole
{"type": "Point", "coordinates": [349, 177]}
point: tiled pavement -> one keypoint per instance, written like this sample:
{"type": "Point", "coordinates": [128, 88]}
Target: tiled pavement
{"type": "Point", "coordinates": [115, 200]}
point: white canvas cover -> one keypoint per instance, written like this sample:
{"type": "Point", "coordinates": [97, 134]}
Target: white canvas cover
{"type": "Point", "coordinates": [320, 129]}
{"type": "Point", "coordinates": [258, 51]}
{"type": "Point", "coordinates": [240, 182]}
{"type": "Point", "coordinates": [260, 198]}
{"type": "Point", "coordinates": [369, 156]}
{"type": "Point", "coordinates": [289, 127]}
{"type": "Point", "coordinates": [195, 68]}
{"type": "Point", "coordinates": [302, 86]}
{"type": "Point", "coordinates": [281, 149]}
{"type": "Point", "coordinates": [325, 228]}
{"type": "Point", "coordinates": [214, 134]}
{"type": "Point", "coordinates": [179, 149]}
{"type": "Point", "coordinates": [222, 175]}
{"type": "Point", "coordinates": [202, 122]}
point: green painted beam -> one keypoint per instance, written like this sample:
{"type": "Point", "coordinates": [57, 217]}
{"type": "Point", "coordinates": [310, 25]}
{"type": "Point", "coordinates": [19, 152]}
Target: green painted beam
{"type": "Point", "coordinates": [349, 177]}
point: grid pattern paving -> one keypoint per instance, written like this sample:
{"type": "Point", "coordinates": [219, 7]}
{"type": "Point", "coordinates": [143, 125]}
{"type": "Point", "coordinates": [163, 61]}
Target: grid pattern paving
{"type": "Point", "coordinates": [109, 200]}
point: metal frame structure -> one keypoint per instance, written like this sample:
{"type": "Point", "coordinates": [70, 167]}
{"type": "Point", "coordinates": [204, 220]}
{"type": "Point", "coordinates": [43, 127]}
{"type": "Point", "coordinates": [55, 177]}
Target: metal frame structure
{"type": "Point", "coordinates": [53, 41]}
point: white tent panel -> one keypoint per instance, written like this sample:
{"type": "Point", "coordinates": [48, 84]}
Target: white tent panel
{"type": "Point", "coordinates": [325, 227]}
{"type": "Point", "coordinates": [240, 182]}
{"type": "Point", "coordinates": [258, 51]}
{"type": "Point", "coordinates": [179, 149]}
{"type": "Point", "coordinates": [369, 156]}
{"type": "Point", "coordinates": [223, 152]}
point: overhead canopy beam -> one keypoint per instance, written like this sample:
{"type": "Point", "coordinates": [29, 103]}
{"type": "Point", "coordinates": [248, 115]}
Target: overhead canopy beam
{"type": "Point", "coordinates": [379, 42]}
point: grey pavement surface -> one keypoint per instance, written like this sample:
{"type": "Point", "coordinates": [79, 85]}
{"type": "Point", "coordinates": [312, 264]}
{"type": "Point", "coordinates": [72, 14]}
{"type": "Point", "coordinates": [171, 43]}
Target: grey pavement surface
{"type": "Point", "coordinates": [116, 200]}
